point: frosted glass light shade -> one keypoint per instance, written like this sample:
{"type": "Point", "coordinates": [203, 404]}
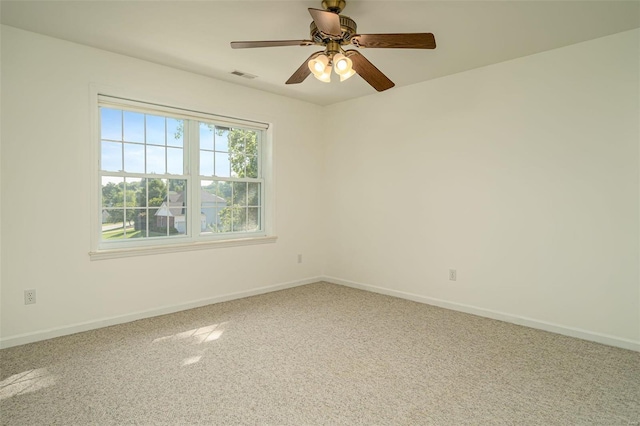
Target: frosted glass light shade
{"type": "Point", "coordinates": [346, 75]}
{"type": "Point", "coordinates": [341, 63]}
{"type": "Point", "coordinates": [318, 65]}
{"type": "Point", "coordinates": [343, 66]}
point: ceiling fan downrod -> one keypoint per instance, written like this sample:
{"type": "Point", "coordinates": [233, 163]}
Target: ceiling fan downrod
{"type": "Point", "coordinates": [332, 48]}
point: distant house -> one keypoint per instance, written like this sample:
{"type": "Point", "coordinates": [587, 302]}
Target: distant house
{"type": "Point", "coordinates": [211, 206]}
{"type": "Point", "coordinates": [172, 211]}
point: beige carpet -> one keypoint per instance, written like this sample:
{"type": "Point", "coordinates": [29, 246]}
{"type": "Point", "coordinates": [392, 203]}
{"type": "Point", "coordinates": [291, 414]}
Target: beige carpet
{"type": "Point", "coordinates": [319, 354]}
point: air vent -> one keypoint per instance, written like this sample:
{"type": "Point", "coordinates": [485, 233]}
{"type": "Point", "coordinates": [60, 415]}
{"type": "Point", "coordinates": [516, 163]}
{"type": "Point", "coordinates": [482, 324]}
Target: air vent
{"type": "Point", "coordinates": [244, 75]}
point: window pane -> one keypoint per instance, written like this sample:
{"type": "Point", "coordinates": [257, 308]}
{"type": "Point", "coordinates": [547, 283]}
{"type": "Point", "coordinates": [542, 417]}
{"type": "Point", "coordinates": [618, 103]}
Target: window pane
{"type": "Point", "coordinates": [175, 161]}
{"type": "Point", "coordinates": [239, 219]}
{"type": "Point", "coordinates": [253, 219]}
{"type": "Point", "coordinates": [177, 202]}
{"type": "Point", "coordinates": [224, 212]}
{"type": "Point", "coordinates": [179, 226]}
{"type": "Point", "coordinates": [224, 191]}
{"type": "Point", "coordinates": [206, 136]}
{"type": "Point", "coordinates": [155, 159]}
{"type": "Point", "coordinates": [122, 223]}
{"type": "Point", "coordinates": [252, 167]}
{"type": "Point", "coordinates": [159, 219]}
{"type": "Point", "coordinates": [206, 163]}
{"type": "Point", "coordinates": [237, 164]}
{"type": "Point", "coordinates": [251, 143]}
{"type": "Point", "coordinates": [133, 126]}
{"type": "Point", "coordinates": [225, 220]}
{"type": "Point", "coordinates": [113, 230]}
{"type": "Point", "coordinates": [110, 124]}
{"type": "Point", "coordinates": [222, 165]}
{"type": "Point", "coordinates": [112, 191]}
{"type": "Point", "coordinates": [128, 197]}
{"type": "Point", "coordinates": [210, 186]}
{"type": "Point", "coordinates": [168, 207]}
{"type": "Point", "coordinates": [237, 158]}
{"type": "Point", "coordinates": [211, 205]}
{"type": "Point", "coordinates": [113, 218]}
{"type": "Point", "coordinates": [237, 140]}
{"type": "Point", "coordinates": [155, 130]}
{"type": "Point", "coordinates": [139, 229]}
{"type": "Point", "coordinates": [253, 194]}
{"type": "Point", "coordinates": [222, 139]}
{"type": "Point", "coordinates": [133, 188]}
{"type": "Point", "coordinates": [111, 156]}
{"type": "Point", "coordinates": [118, 213]}
{"type": "Point", "coordinates": [208, 221]}
{"type": "Point", "coordinates": [155, 194]}
{"type": "Point", "coordinates": [175, 130]}
{"type": "Point", "coordinates": [178, 186]}
{"type": "Point", "coordinates": [133, 158]}
{"type": "Point", "coordinates": [239, 193]}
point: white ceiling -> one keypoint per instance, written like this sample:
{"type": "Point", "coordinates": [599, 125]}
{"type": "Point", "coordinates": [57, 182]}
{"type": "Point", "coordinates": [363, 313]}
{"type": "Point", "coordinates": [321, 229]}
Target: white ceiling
{"type": "Point", "coordinates": [195, 35]}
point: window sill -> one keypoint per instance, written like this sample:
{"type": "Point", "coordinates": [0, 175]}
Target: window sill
{"type": "Point", "coordinates": [174, 248]}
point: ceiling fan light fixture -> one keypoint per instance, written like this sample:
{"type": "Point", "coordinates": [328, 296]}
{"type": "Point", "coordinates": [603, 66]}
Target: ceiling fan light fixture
{"type": "Point", "coordinates": [333, 31]}
{"type": "Point", "coordinates": [346, 75]}
{"type": "Point", "coordinates": [343, 66]}
{"type": "Point", "coordinates": [341, 63]}
{"type": "Point", "coordinates": [318, 65]}
{"type": "Point", "coordinates": [325, 77]}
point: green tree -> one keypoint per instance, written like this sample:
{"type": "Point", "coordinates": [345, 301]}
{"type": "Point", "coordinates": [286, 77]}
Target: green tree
{"type": "Point", "coordinates": [177, 185]}
{"type": "Point", "coordinates": [124, 201]}
{"type": "Point", "coordinates": [153, 190]}
{"type": "Point", "coordinates": [109, 194]}
{"type": "Point", "coordinates": [243, 156]}
{"type": "Point", "coordinates": [243, 152]}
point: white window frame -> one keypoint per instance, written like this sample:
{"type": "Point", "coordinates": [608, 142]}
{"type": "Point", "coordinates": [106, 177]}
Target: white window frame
{"type": "Point", "coordinates": [193, 239]}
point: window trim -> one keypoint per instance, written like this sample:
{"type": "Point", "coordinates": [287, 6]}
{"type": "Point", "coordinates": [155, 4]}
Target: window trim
{"type": "Point", "coordinates": [115, 253]}
{"type": "Point", "coordinates": [110, 97]}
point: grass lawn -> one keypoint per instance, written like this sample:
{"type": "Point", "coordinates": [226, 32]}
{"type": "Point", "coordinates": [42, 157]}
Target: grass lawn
{"type": "Point", "coordinates": [118, 234]}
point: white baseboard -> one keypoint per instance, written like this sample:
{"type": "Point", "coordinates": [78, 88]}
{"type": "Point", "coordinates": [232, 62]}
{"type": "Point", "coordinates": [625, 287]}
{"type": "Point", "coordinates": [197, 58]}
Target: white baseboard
{"type": "Point", "coordinates": [514, 319]}
{"type": "Point", "coordinates": [36, 336]}
{"type": "Point", "coordinates": [487, 313]}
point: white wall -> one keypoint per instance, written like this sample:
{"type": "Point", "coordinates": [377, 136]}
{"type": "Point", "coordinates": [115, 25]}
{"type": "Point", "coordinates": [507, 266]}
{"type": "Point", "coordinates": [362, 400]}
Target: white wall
{"type": "Point", "coordinates": [522, 175]}
{"type": "Point", "coordinates": [46, 175]}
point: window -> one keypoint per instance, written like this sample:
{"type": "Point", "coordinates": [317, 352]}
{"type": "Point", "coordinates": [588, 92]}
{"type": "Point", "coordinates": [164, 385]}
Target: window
{"type": "Point", "coordinates": [170, 176]}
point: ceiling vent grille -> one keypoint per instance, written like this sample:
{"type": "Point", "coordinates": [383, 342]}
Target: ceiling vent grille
{"type": "Point", "coordinates": [244, 75]}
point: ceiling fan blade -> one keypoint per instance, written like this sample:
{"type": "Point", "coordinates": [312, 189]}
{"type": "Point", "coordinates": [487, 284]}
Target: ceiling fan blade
{"type": "Point", "coordinates": [327, 22]}
{"type": "Point", "coordinates": [368, 71]}
{"type": "Point", "coordinates": [273, 43]}
{"type": "Point", "coordinates": [397, 41]}
{"type": "Point", "coordinates": [302, 72]}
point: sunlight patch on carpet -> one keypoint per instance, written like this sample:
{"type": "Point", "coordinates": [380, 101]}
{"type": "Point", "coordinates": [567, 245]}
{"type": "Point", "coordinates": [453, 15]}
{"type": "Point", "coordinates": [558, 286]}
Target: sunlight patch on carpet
{"type": "Point", "coordinates": [25, 382]}
{"type": "Point", "coordinates": [197, 335]}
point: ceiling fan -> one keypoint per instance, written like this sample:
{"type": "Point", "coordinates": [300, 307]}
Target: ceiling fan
{"type": "Point", "coordinates": [333, 31]}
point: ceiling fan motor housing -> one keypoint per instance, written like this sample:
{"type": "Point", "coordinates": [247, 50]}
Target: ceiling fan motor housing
{"type": "Point", "coordinates": [347, 25]}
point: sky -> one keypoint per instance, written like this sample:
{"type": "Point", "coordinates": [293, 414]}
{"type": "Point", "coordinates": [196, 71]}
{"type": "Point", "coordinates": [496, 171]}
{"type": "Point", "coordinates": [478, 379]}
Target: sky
{"type": "Point", "coordinates": [132, 140]}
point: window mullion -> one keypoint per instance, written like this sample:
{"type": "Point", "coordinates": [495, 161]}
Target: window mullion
{"type": "Point", "coordinates": [192, 144]}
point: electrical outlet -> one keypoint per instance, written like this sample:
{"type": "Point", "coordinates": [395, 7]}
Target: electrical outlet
{"type": "Point", "coordinates": [453, 275]}
{"type": "Point", "coordinates": [299, 258]}
{"type": "Point", "coordinates": [30, 296]}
